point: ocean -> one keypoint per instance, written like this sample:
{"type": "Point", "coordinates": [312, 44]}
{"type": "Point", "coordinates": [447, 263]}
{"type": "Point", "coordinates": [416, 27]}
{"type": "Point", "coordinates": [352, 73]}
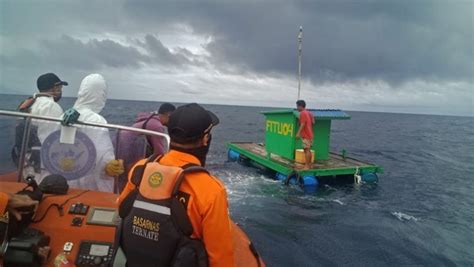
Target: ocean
{"type": "Point", "coordinates": [420, 213]}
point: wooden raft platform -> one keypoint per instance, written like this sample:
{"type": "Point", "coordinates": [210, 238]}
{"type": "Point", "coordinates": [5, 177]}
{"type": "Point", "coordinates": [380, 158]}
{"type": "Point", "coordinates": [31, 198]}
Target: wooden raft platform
{"type": "Point", "coordinates": [336, 165]}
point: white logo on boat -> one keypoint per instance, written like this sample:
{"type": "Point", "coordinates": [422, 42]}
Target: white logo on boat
{"type": "Point", "coordinates": [72, 161]}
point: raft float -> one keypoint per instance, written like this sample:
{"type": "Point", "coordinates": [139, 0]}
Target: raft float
{"type": "Point", "coordinates": [282, 153]}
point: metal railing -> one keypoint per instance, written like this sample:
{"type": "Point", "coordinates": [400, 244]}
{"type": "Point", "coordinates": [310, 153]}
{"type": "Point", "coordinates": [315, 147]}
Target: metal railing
{"type": "Point", "coordinates": [28, 120]}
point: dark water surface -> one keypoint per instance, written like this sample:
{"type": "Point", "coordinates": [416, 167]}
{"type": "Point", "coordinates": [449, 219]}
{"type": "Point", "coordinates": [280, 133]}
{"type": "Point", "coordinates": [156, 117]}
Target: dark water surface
{"type": "Point", "coordinates": [420, 213]}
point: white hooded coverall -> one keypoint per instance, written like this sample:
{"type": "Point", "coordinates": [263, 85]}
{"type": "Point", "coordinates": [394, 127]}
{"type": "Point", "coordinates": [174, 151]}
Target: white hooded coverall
{"type": "Point", "coordinates": [90, 101]}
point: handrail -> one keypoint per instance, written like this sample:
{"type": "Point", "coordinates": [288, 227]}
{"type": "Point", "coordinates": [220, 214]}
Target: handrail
{"type": "Point", "coordinates": [28, 119]}
{"type": "Point", "coordinates": [93, 124]}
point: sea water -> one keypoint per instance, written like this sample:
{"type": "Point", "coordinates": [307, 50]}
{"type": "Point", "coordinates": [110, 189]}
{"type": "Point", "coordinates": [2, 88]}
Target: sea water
{"type": "Point", "coordinates": [420, 213]}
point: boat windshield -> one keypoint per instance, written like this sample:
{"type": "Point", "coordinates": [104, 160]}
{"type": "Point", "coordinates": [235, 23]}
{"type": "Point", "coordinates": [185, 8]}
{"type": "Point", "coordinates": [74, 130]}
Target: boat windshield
{"type": "Point", "coordinates": [86, 154]}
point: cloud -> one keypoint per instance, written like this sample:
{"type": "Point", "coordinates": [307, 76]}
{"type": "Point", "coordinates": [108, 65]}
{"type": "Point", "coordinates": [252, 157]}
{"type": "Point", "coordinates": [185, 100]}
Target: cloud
{"type": "Point", "coordinates": [95, 54]}
{"type": "Point", "coordinates": [394, 41]}
{"type": "Point", "coordinates": [417, 96]}
{"type": "Point", "coordinates": [413, 56]}
{"type": "Point", "coordinates": [92, 54]}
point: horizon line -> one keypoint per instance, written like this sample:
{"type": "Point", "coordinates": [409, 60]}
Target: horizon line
{"type": "Point", "coordinates": [269, 106]}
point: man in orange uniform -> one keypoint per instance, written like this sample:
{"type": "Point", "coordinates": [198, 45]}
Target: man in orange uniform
{"type": "Point", "coordinates": [203, 195]}
{"type": "Point", "coordinates": [305, 132]}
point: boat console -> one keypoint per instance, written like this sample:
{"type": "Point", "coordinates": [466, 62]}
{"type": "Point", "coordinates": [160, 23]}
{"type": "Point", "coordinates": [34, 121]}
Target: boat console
{"type": "Point", "coordinates": [89, 243]}
{"type": "Point", "coordinates": [93, 253]}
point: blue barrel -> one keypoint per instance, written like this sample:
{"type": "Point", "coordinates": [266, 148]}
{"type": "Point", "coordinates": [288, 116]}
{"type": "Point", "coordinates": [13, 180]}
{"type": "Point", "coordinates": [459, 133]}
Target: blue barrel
{"type": "Point", "coordinates": [310, 180]}
{"type": "Point", "coordinates": [280, 176]}
{"type": "Point", "coordinates": [310, 184]}
{"type": "Point", "coordinates": [370, 177]}
{"type": "Point", "coordinates": [233, 155]}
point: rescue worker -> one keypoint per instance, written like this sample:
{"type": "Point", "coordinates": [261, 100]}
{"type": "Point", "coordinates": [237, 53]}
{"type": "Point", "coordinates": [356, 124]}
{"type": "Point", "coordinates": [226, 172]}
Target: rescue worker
{"type": "Point", "coordinates": [202, 195]}
{"type": "Point", "coordinates": [9, 206]}
{"type": "Point", "coordinates": [90, 101]}
{"type": "Point", "coordinates": [132, 146]}
{"type": "Point", "coordinates": [45, 103]}
{"type": "Point", "coordinates": [12, 202]}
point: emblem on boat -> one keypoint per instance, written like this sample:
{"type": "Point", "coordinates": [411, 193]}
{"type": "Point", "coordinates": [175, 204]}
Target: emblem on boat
{"type": "Point", "coordinates": [155, 179]}
{"type": "Point", "coordinates": [72, 161]}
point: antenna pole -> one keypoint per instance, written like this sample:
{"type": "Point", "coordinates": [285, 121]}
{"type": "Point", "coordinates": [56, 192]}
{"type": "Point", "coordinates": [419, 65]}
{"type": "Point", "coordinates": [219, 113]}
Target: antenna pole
{"type": "Point", "coordinates": [300, 40]}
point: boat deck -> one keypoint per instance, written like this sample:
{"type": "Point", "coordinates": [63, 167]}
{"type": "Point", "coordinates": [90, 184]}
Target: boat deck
{"type": "Point", "coordinates": [335, 165]}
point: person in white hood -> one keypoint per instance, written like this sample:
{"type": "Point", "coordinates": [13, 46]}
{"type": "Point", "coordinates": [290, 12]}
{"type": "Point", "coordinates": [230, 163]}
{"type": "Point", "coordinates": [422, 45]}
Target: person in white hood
{"type": "Point", "coordinates": [90, 101]}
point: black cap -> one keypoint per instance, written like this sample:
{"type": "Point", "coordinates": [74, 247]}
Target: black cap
{"type": "Point", "coordinates": [189, 122]}
{"type": "Point", "coordinates": [48, 81]}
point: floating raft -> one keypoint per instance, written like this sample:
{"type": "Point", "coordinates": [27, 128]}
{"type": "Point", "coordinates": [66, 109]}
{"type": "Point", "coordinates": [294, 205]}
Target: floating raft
{"type": "Point", "coordinates": [281, 148]}
{"type": "Point", "coordinates": [336, 165]}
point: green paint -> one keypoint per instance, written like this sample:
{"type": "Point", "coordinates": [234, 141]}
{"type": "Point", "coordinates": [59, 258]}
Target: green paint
{"type": "Point", "coordinates": [280, 134]}
{"type": "Point", "coordinates": [322, 131]}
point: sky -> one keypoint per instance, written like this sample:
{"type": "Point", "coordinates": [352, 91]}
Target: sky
{"type": "Point", "coordinates": [408, 56]}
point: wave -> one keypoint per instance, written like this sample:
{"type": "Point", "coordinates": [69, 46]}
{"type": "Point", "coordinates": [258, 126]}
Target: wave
{"type": "Point", "coordinates": [404, 217]}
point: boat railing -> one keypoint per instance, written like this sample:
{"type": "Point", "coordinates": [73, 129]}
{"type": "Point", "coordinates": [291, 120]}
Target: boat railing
{"type": "Point", "coordinates": [27, 117]}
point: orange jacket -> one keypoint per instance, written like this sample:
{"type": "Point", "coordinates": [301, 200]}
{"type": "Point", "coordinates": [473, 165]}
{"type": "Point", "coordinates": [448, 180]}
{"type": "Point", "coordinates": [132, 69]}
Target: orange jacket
{"type": "Point", "coordinates": [3, 203]}
{"type": "Point", "coordinates": [207, 208]}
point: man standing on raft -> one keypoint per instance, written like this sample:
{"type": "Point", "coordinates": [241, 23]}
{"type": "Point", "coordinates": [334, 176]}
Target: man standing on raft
{"type": "Point", "coordinates": [305, 132]}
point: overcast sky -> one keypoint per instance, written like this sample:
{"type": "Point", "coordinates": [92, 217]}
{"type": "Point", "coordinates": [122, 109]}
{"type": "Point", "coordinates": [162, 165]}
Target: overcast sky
{"type": "Point", "coordinates": [394, 56]}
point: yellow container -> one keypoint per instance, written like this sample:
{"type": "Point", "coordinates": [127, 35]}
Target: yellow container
{"type": "Point", "coordinates": [299, 156]}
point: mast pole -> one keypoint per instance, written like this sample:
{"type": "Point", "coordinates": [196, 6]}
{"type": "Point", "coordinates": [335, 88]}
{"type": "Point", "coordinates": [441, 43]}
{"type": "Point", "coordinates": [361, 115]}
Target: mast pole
{"type": "Point", "coordinates": [300, 40]}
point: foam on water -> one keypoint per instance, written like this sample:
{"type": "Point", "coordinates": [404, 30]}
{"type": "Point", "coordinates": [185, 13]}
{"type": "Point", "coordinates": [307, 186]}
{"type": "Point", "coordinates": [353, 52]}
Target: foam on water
{"type": "Point", "coordinates": [338, 201]}
{"type": "Point", "coordinates": [404, 217]}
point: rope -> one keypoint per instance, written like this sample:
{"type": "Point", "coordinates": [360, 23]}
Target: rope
{"type": "Point", "coordinates": [357, 177]}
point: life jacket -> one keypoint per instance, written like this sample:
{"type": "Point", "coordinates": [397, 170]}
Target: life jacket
{"type": "Point", "coordinates": [33, 157]}
{"type": "Point", "coordinates": [155, 228]}
{"type": "Point", "coordinates": [132, 148]}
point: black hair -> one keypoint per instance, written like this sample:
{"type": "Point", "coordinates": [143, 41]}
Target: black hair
{"type": "Point", "coordinates": [301, 103]}
{"type": "Point", "coordinates": [165, 108]}
{"type": "Point", "coordinates": [45, 90]}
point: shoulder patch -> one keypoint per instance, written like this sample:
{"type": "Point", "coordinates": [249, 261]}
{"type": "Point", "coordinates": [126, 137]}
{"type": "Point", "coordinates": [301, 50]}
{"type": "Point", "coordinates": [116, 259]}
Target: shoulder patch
{"type": "Point", "coordinates": [155, 179]}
